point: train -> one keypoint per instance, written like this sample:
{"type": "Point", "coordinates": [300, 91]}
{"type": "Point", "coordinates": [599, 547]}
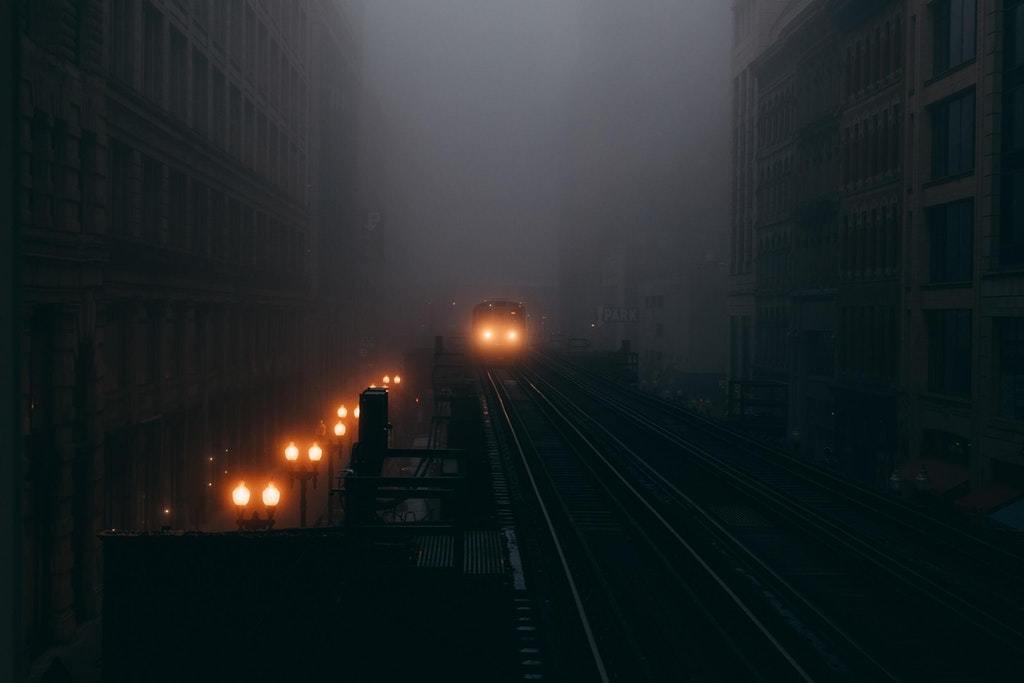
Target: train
{"type": "Point", "coordinates": [499, 329]}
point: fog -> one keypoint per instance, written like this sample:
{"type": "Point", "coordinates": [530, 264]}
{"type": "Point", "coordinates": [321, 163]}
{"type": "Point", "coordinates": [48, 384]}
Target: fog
{"type": "Point", "coordinates": [508, 131]}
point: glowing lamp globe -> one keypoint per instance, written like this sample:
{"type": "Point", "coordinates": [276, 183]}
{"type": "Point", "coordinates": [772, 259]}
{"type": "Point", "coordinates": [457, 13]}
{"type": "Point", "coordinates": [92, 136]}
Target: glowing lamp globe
{"type": "Point", "coordinates": [356, 412]}
{"type": "Point", "coordinates": [387, 379]}
{"type": "Point", "coordinates": [398, 379]}
{"type": "Point", "coordinates": [240, 496]}
{"type": "Point", "coordinates": [342, 411]}
{"type": "Point", "coordinates": [315, 453]}
{"type": "Point", "coordinates": [339, 429]}
{"type": "Point", "coordinates": [271, 496]}
{"type": "Point", "coordinates": [291, 454]}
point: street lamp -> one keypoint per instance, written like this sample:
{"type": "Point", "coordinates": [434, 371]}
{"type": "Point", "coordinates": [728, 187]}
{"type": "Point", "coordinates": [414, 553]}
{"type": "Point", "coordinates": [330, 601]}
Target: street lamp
{"type": "Point", "coordinates": [397, 379]}
{"type": "Point", "coordinates": [387, 380]}
{"type": "Point", "coordinates": [338, 442]}
{"type": "Point", "coordinates": [355, 412]}
{"type": "Point", "coordinates": [303, 471]}
{"type": "Point", "coordinates": [342, 411]}
{"type": "Point", "coordinates": [241, 496]}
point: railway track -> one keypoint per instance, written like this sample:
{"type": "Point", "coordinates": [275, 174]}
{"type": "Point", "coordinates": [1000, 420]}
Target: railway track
{"type": "Point", "coordinates": [662, 591]}
{"type": "Point", "coordinates": [929, 598]}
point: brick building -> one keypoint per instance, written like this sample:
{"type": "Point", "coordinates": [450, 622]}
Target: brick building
{"type": "Point", "coordinates": [178, 162]}
{"type": "Point", "coordinates": [876, 223]}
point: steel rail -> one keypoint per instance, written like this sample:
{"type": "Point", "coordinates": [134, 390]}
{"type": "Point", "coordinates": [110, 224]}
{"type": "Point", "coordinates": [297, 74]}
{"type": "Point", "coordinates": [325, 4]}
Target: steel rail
{"type": "Point", "coordinates": [929, 528]}
{"type": "Point", "coordinates": [796, 670]}
{"type": "Point", "coordinates": [553, 532]}
{"type": "Point", "coordinates": [878, 670]}
{"type": "Point", "coordinates": [913, 579]}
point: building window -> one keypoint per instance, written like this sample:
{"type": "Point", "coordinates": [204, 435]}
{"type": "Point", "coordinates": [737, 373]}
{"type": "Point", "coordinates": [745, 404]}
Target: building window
{"type": "Point", "coordinates": [1012, 224]}
{"type": "Point", "coordinates": [200, 96]}
{"type": "Point", "coordinates": [219, 108]}
{"type": "Point", "coordinates": [200, 218]}
{"type": "Point", "coordinates": [115, 343]}
{"type": "Point", "coordinates": [946, 446]}
{"type": "Point", "coordinates": [177, 201]}
{"type": "Point", "coordinates": [236, 122]}
{"type": "Point", "coordinates": [953, 136]}
{"type": "Point", "coordinates": [121, 35]}
{"type": "Point", "coordinates": [152, 177]}
{"type": "Point", "coordinates": [120, 160]}
{"type": "Point", "coordinates": [1014, 25]}
{"type": "Point", "coordinates": [1010, 366]}
{"type": "Point", "coordinates": [236, 31]}
{"type": "Point", "coordinates": [178, 75]}
{"type": "Point", "coordinates": [217, 224]}
{"type": "Point", "coordinates": [1011, 241]}
{"type": "Point", "coordinates": [1015, 119]}
{"type": "Point", "coordinates": [949, 352]}
{"type": "Point", "coordinates": [951, 240]}
{"type": "Point", "coordinates": [153, 54]}
{"type": "Point", "coordinates": [955, 31]}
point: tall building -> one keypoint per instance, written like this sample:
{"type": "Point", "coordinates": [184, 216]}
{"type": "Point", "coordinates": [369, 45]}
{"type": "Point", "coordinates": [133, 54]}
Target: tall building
{"type": "Point", "coordinates": [866, 235]}
{"type": "Point", "coordinates": [177, 165]}
{"type": "Point", "coordinates": [818, 115]}
{"type": "Point", "coordinates": [753, 22]}
{"type": "Point", "coordinates": [964, 289]}
{"type": "Point", "coordinates": [876, 289]}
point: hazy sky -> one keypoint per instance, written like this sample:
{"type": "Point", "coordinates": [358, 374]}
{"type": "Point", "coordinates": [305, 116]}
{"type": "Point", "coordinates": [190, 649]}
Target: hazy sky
{"type": "Point", "coordinates": [483, 98]}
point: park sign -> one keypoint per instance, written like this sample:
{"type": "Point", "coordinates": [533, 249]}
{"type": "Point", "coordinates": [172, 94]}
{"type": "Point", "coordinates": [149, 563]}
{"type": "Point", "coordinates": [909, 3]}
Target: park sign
{"type": "Point", "coordinates": [617, 314]}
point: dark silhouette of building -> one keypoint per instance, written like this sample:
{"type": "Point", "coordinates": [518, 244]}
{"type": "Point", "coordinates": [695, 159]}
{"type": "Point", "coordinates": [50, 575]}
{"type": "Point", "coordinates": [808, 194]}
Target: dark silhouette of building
{"type": "Point", "coordinates": [875, 264]}
{"type": "Point", "coordinates": [182, 168]}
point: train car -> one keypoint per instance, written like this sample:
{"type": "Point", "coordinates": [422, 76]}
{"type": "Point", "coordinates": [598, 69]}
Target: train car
{"type": "Point", "coordinates": [499, 329]}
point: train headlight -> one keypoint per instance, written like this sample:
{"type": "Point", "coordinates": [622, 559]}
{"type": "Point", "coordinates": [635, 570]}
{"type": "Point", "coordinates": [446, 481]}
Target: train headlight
{"type": "Point", "coordinates": [487, 335]}
{"type": "Point", "coordinates": [512, 335]}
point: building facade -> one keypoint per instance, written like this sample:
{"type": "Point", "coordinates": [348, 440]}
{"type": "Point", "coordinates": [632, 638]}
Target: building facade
{"type": "Point", "coordinates": [171, 174]}
{"type": "Point", "coordinates": [876, 260]}
{"type": "Point", "coordinates": [963, 289]}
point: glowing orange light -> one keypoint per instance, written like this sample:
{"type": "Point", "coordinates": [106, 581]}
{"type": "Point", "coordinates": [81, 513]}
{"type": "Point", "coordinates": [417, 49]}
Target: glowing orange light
{"type": "Point", "coordinates": [291, 453]}
{"type": "Point", "coordinates": [387, 379]}
{"type": "Point", "coordinates": [512, 335]}
{"type": "Point", "coordinates": [339, 429]}
{"type": "Point", "coordinates": [240, 496]}
{"type": "Point", "coordinates": [342, 411]}
{"type": "Point", "coordinates": [356, 412]}
{"type": "Point", "coordinates": [271, 496]}
{"type": "Point", "coordinates": [372, 386]}
{"type": "Point", "coordinates": [488, 335]}
{"type": "Point", "coordinates": [398, 379]}
{"type": "Point", "coordinates": [315, 453]}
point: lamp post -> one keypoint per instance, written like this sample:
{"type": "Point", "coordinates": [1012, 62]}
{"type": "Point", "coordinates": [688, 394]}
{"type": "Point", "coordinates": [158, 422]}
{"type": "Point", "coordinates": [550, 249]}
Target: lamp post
{"type": "Point", "coordinates": [339, 444]}
{"type": "Point", "coordinates": [303, 471]}
{"type": "Point", "coordinates": [241, 495]}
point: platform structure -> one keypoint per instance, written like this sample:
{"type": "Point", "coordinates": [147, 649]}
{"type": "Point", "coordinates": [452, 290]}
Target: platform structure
{"type": "Point", "coordinates": [416, 582]}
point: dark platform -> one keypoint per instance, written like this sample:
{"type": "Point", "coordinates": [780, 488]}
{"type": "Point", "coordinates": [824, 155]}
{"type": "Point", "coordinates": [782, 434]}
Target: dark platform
{"type": "Point", "coordinates": [381, 604]}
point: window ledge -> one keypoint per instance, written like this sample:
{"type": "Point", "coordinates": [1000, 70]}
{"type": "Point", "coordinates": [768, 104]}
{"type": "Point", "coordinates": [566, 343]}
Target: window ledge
{"type": "Point", "coordinates": [1006, 423]}
{"type": "Point", "coordinates": [1015, 270]}
{"type": "Point", "coordinates": [948, 399]}
{"type": "Point", "coordinates": [934, 182]}
{"type": "Point", "coordinates": [953, 284]}
{"type": "Point", "coordinates": [950, 71]}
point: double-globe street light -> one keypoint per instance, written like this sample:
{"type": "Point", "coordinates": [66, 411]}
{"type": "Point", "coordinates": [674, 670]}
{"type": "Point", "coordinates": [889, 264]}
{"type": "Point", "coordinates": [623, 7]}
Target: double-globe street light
{"type": "Point", "coordinates": [338, 442]}
{"type": "Point", "coordinates": [241, 495]}
{"type": "Point", "coordinates": [303, 471]}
